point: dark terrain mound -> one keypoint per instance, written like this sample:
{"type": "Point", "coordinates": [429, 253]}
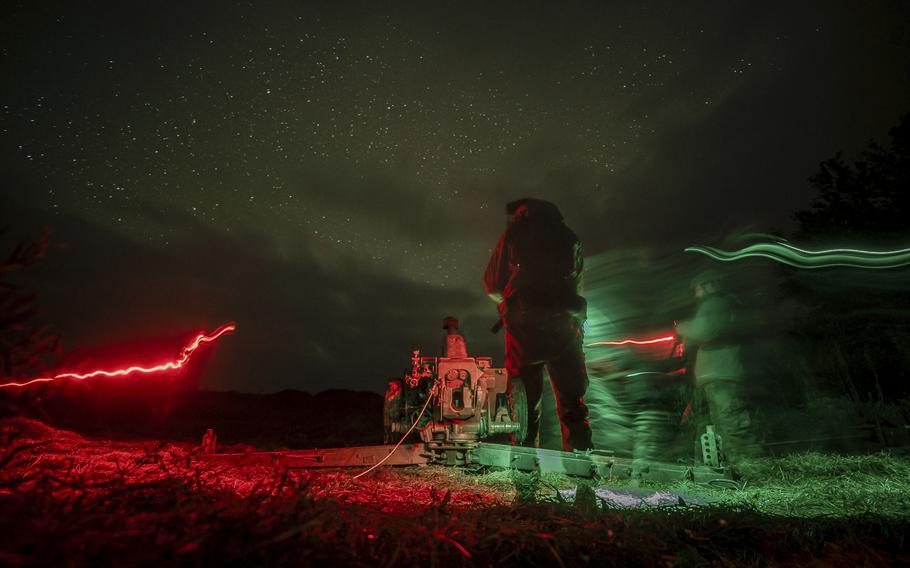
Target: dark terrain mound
{"type": "Point", "coordinates": [290, 418]}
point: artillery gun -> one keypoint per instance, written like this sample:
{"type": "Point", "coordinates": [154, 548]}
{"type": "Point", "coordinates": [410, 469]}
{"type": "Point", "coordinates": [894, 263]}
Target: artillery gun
{"type": "Point", "coordinates": [455, 402]}
{"type": "Point", "coordinates": [462, 409]}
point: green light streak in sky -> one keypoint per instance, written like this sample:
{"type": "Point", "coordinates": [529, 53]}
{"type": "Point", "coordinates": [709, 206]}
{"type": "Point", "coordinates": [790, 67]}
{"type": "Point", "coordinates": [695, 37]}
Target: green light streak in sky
{"type": "Point", "coordinates": [801, 258]}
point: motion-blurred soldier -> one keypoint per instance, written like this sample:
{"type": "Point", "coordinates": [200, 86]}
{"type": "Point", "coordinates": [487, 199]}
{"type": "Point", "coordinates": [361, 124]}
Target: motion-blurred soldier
{"type": "Point", "coordinates": [720, 380]}
{"type": "Point", "coordinates": [535, 276]}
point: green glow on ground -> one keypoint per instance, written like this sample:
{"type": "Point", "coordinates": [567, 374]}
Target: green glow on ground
{"type": "Point", "coordinates": [805, 485]}
{"type": "Point", "coordinates": [813, 485]}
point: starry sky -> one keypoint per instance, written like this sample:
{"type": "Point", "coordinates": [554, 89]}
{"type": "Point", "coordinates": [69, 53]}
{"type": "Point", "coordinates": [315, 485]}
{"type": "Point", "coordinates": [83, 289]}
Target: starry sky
{"type": "Point", "coordinates": [332, 175]}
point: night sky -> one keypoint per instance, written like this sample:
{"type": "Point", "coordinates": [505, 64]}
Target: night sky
{"type": "Point", "coordinates": [332, 175]}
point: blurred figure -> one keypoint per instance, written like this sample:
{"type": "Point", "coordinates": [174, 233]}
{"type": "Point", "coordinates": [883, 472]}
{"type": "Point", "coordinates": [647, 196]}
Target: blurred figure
{"type": "Point", "coordinates": [454, 345]}
{"type": "Point", "coordinates": [534, 274]}
{"type": "Point", "coordinates": [209, 441]}
{"type": "Point", "coordinates": [720, 383]}
{"type": "Point", "coordinates": [392, 407]}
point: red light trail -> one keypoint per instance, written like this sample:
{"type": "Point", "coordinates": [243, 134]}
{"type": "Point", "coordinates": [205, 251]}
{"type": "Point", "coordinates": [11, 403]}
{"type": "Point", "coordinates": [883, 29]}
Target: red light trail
{"type": "Point", "coordinates": [180, 361]}
{"type": "Point", "coordinates": [635, 341]}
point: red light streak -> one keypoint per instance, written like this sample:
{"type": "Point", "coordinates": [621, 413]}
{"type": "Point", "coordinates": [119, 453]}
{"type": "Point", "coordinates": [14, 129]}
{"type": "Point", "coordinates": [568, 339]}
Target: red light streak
{"type": "Point", "coordinates": [635, 341]}
{"type": "Point", "coordinates": [180, 361]}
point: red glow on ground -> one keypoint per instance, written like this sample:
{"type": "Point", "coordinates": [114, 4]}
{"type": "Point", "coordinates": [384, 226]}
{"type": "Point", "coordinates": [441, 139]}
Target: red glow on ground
{"type": "Point", "coordinates": [666, 339]}
{"type": "Point", "coordinates": [177, 363]}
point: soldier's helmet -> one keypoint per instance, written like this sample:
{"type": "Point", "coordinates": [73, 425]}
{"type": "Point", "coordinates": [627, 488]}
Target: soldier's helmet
{"type": "Point", "coordinates": [709, 276]}
{"type": "Point", "coordinates": [448, 322]}
{"type": "Point", "coordinates": [537, 209]}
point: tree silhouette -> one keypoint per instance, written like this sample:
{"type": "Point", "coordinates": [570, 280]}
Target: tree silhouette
{"type": "Point", "coordinates": [869, 200]}
{"type": "Point", "coordinates": [861, 336]}
{"type": "Point", "coordinates": [23, 345]}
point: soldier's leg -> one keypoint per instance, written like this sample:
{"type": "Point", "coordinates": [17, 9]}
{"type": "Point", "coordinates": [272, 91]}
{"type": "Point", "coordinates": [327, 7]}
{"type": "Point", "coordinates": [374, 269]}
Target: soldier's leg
{"type": "Point", "coordinates": [550, 433]}
{"type": "Point", "coordinates": [570, 380]}
{"type": "Point", "coordinates": [656, 416]}
{"type": "Point", "coordinates": [730, 414]}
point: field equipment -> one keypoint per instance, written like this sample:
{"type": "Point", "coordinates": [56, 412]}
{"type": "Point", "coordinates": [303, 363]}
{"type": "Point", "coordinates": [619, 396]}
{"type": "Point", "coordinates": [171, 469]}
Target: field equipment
{"type": "Point", "coordinates": [463, 409]}
{"type": "Point", "coordinates": [711, 447]}
{"type": "Point", "coordinates": [470, 403]}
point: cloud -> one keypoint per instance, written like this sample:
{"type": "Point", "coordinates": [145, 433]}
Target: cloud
{"type": "Point", "coordinates": [299, 325]}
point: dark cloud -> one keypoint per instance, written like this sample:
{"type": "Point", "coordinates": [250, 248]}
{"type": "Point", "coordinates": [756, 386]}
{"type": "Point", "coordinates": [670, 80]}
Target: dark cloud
{"type": "Point", "coordinates": [743, 160]}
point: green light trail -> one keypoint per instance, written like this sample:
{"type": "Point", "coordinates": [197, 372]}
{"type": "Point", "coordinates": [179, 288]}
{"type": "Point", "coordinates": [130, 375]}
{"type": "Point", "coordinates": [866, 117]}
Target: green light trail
{"type": "Point", "coordinates": [801, 258]}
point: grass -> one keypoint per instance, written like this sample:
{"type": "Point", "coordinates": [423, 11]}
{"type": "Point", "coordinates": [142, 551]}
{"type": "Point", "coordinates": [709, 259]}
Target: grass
{"type": "Point", "coordinates": [808, 485]}
{"type": "Point", "coordinates": [69, 500]}
{"type": "Point", "coordinates": [827, 485]}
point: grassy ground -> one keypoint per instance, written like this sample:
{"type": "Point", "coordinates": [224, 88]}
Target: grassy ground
{"type": "Point", "coordinates": [68, 500]}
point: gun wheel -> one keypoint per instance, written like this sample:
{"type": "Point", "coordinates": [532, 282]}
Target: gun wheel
{"type": "Point", "coordinates": [518, 409]}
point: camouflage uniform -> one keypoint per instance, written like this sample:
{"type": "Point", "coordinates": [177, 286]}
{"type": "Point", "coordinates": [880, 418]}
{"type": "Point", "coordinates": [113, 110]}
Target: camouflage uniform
{"type": "Point", "coordinates": [720, 378]}
{"type": "Point", "coordinates": [536, 267]}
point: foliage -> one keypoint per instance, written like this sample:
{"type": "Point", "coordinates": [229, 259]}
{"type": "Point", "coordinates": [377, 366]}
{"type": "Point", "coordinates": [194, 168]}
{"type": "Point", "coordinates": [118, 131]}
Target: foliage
{"type": "Point", "coordinates": [22, 345]}
{"type": "Point", "coordinates": [869, 200]}
{"type": "Point", "coordinates": [857, 324]}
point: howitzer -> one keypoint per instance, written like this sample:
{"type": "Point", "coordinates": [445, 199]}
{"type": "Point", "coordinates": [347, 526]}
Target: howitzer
{"type": "Point", "coordinates": [461, 409]}
{"type": "Point", "coordinates": [470, 401]}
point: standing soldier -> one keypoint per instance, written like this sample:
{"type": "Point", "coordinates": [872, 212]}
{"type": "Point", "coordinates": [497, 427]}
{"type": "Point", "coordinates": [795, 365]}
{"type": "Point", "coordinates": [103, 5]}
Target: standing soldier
{"type": "Point", "coordinates": [454, 344]}
{"type": "Point", "coordinates": [534, 274]}
{"type": "Point", "coordinates": [716, 331]}
{"type": "Point", "coordinates": [392, 411]}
